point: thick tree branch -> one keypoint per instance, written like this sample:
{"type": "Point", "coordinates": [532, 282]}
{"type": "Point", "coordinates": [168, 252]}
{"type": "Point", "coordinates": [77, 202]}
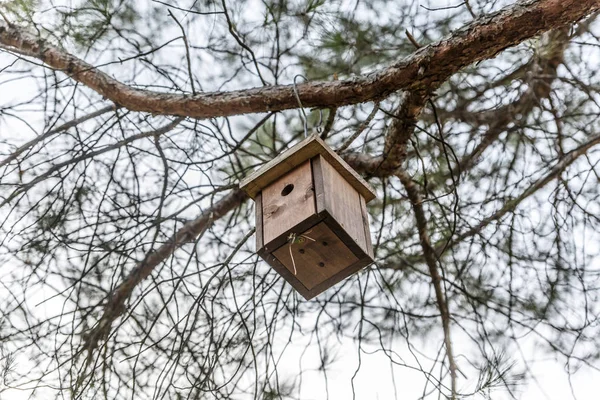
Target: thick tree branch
{"type": "Point", "coordinates": [427, 67]}
{"type": "Point", "coordinates": [401, 129]}
{"type": "Point", "coordinates": [543, 68]}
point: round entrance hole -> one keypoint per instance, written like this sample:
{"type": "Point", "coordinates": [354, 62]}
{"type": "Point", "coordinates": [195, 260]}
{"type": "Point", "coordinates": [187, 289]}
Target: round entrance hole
{"type": "Point", "coordinates": [321, 264]}
{"type": "Point", "coordinates": [287, 189]}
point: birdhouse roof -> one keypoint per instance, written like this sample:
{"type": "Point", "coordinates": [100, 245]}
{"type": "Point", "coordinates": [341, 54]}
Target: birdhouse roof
{"type": "Point", "coordinates": [296, 155]}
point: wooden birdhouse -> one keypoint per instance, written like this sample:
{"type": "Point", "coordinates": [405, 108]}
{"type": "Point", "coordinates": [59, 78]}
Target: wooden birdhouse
{"type": "Point", "coordinates": [312, 225]}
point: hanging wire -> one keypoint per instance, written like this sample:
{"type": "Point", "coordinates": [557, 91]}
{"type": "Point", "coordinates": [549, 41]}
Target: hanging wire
{"type": "Point", "coordinates": [302, 113]}
{"type": "Point", "coordinates": [303, 117]}
{"type": "Point", "coordinates": [297, 239]}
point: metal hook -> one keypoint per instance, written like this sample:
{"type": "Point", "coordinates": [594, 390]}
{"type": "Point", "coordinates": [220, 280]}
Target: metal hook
{"type": "Point", "coordinates": [320, 123]}
{"type": "Point", "coordinates": [302, 113]}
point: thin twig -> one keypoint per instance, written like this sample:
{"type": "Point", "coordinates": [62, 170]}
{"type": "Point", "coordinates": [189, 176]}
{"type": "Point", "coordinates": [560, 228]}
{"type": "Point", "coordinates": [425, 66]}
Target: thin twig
{"type": "Point", "coordinates": [412, 39]}
{"type": "Point", "coordinates": [187, 52]}
{"type": "Point", "coordinates": [188, 10]}
{"type": "Point", "coordinates": [54, 131]}
{"type": "Point", "coordinates": [360, 129]}
{"type": "Point", "coordinates": [5, 18]}
{"type": "Point", "coordinates": [57, 167]}
{"type": "Point", "coordinates": [468, 5]}
{"type": "Point", "coordinates": [241, 42]}
{"type": "Point", "coordinates": [510, 205]}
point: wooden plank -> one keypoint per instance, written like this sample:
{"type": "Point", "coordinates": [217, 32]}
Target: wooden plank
{"type": "Point", "coordinates": [342, 202]}
{"type": "Point", "coordinates": [288, 275]}
{"type": "Point", "coordinates": [301, 227]}
{"type": "Point", "coordinates": [319, 288]}
{"type": "Point", "coordinates": [258, 215]}
{"type": "Point", "coordinates": [317, 172]}
{"type": "Point", "coordinates": [365, 216]}
{"type": "Point", "coordinates": [336, 228]}
{"type": "Point", "coordinates": [340, 276]}
{"type": "Point", "coordinates": [279, 166]}
{"type": "Point", "coordinates": [285, 274]}
{"type": "Point", "coordinates": [318, 259]}
{"type": "Point", "coordinates": [287, 202]}
{"type": "Point", "coordinates": [305, 150]}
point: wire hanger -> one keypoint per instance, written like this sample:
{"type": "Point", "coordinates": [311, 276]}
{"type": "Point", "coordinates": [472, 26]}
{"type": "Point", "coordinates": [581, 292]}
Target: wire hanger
{"type": "Point", "coordinates": [302, 113]}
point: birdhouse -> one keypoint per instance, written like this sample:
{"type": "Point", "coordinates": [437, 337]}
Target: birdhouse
{"type": "Point", "coordinates": [312, 225]}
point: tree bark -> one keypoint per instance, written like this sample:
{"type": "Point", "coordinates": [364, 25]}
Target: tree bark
{"type": "Point", "coordinates": [425, 68]}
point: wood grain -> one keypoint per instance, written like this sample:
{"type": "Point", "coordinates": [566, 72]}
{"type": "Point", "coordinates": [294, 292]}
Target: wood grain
{"type": "Point", "coordinates": [317, 171]}
{"type": "Point", "coordinates": [342, 201]}
{"type": "Point", "coordinates": [340, 276]}
{"type": "Point", "coordinates": [258, 215]}
{"type": "Point", "coordinates": [365, 216]}
{"type": "Point", "coordinates": [318, 260]}
{"type": "Point", "coordinates": [281, 213]}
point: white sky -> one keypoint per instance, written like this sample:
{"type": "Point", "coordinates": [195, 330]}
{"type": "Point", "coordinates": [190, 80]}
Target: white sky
{"type": "Point", "coordinates": [374, 379]}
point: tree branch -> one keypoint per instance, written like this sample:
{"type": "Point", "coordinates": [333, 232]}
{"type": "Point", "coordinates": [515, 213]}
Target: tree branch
{"type": "Point", "coordinates": [361, 128]}
{"type": "Point", "coordinates": [511, 205]}
{"type": "Point", "coordinates": [61, 128]}
{"type": "Point", "coordinates": [427, 67]}
{"type": "Point", "coordinates": [57, 167]}
{"type": "Point", "coordinates": [402, 127]}
{"type": "Point", "coordinates": [544, 65]}
{"type": "Point", "coordinates": [115, 305]}
{"type": "Point", "coordinates": [431, 259]}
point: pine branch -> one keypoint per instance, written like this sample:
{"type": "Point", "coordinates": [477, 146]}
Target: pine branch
{"type": "Point", "coordinates": [426, 68]}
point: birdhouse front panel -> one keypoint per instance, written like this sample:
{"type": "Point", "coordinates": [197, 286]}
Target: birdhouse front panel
{"type": "Point", "coordinates": [311, 219]}
{"type": "Point", "coordinates": [287, 202]}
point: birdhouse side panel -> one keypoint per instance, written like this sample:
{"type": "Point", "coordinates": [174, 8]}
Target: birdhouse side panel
{"type": "Point", "coordinates": [287, 202]}
{"type": "Point", "coordinates": [365, 216]}
{"type": "Point", "coordinates": [342, 202]}
{"type": "Point", "coordinates": [258, 218]}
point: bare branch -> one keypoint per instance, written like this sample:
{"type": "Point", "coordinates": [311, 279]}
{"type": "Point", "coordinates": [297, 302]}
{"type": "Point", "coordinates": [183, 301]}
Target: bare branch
{"type": "Point", "coordinates": [511, 205]}
{"type": "Point", "coordinates": [115, 305]}
{"type": "Point", "coordinates": [157, 132]}
{"type": "Point", "coordinates": [54, 131]}
{"type": "Point", "coordinates": [545, 65]}
{"type": "Point", "coordinates": [187, 51]}
{"type": "Point", "coordinates": [364, 125]}
{"type": "Point", "coordinates": [431, 259]}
